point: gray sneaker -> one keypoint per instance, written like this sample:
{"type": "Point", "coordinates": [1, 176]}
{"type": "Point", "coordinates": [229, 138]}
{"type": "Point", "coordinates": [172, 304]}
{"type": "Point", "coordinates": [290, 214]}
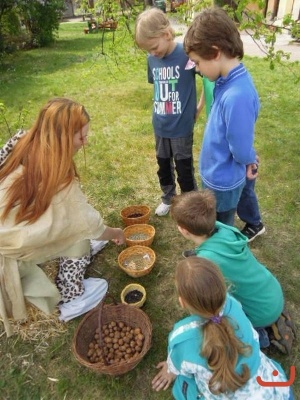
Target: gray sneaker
{"type": "Point", "coordinates": [188, 253]}
{"type": "Point", "coordinates": [252, 231]}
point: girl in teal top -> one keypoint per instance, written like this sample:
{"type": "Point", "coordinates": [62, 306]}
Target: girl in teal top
{"type": "Point", "coordinates": [214, 353]}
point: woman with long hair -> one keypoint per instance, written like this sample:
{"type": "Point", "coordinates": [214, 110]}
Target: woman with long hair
{"type": "Point", "coordinates": [44, 214]}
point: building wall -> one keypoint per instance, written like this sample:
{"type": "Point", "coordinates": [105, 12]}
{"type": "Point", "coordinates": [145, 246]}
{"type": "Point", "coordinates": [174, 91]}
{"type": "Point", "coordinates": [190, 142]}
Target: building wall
{"type": "Point", "coordinates": [280, 8]}
{"type": "Point", "coordinates": [296, 9]}
{"type": "Point", "coordinates": [69, 12]}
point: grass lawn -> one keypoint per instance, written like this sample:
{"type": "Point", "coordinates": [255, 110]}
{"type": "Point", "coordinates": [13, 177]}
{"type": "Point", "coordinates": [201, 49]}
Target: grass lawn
{"type": "Point", "coordinates": [120, 170]}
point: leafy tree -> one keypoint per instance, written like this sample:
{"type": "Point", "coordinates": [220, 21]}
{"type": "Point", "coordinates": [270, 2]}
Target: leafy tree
{"type": "Point", "coordinates": [29, 23]}
{"type": "Point", "coordinates": [41, 18]}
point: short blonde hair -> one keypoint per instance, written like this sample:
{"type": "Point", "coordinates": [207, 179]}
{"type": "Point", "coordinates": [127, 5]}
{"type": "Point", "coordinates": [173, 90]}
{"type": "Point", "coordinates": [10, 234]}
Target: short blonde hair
{"type": "Point", "coordinates": [151, 24]}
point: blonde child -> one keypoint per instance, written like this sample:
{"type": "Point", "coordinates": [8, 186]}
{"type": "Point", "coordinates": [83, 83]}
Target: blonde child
{"type": "Point", "coordinates": [175, 104]}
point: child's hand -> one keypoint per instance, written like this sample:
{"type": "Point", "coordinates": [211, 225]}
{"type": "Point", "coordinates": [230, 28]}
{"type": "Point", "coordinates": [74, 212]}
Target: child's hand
{"type": "Point", "coordinates": [164, 378]}
{"type": "Point", "coordinates": [252, 171]}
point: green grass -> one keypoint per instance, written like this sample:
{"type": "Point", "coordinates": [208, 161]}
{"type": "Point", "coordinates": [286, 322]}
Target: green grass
{"type": "Point", "coordinates": [121, 170]}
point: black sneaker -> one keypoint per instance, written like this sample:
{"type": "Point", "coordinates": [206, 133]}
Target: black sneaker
{"type": "Point", "coordinates": [251, 231]}
{"type": "Point", "coordinates": [188, 253]}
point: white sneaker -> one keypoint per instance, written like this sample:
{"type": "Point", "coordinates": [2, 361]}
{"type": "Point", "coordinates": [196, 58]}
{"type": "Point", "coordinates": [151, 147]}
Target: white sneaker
{"type": "Point", "coordinates": [94, 291]}
{"type": "Point", "coordinates": [97, 245]}
{"type": "Point", "coordinates": [162, 209]}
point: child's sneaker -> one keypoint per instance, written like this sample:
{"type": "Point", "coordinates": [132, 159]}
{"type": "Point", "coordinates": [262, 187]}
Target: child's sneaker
{"type": "Point", "coordinates": [283, 333]}
{"type": "Point", "coordinates": [162, 209]}
{"type": "Point", "coordinates": [251, 231]}
{"type": "Point", "coordinates": [189, 253]}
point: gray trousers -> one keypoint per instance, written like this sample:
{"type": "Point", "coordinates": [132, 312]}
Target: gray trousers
{"type": "Point", "coordinates": [175, 154]}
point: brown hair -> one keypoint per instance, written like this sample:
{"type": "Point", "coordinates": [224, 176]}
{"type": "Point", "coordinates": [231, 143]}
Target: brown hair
{"type": "Point", "coordinates": [213, 30]}
{"type": "Point", "coordinates": [201, 286]}
{"type": "Point", "coordinates": [195, 211]}
{"type": "Point", "coordinates": [46, 154]}
{"type": "Point", "coordinates": [151, 24]}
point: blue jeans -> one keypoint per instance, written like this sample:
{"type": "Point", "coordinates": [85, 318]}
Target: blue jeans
{"type": "Point", "coordinates": [226, 203]}
{"type": "Point", "coordinates": [263, 337]}
{"type": "Point", "coordinates": [247, 208]}
{"type": "Point", "coordinates": [226, 217]}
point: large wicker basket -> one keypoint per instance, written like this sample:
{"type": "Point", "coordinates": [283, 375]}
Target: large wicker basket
{"type": "Point", "coordinates": [145, 231]}
{"type": "Point", "coordinates": [142, 213]}
{"type": "Point", "coordinates": [102, 315]}
{"type": "Point", "coordinates": [130, 253]}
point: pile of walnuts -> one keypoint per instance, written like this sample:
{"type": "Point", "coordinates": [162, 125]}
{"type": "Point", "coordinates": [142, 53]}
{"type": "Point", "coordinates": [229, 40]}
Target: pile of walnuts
{"type": "Point", "coordinates": [120, 343]}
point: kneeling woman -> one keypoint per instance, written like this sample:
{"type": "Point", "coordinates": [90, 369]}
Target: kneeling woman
{"type": "Point", "coordinates": [44, 214]}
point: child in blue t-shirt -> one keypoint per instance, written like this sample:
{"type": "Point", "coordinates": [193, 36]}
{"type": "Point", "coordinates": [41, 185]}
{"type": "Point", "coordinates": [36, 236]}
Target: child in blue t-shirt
{"type": "Point", "coordinates": [174, 104]}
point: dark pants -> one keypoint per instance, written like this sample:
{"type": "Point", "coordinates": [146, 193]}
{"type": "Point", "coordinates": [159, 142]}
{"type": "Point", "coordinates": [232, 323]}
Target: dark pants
{"type": "Point", "coordinates": [247, 208]}
{"type": "Point", "coordinates": [175, 154]}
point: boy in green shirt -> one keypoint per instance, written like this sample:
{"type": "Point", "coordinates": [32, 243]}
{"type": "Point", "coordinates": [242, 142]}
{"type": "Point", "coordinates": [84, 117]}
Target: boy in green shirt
{"type": "Point", "coordinates": [251, 283]}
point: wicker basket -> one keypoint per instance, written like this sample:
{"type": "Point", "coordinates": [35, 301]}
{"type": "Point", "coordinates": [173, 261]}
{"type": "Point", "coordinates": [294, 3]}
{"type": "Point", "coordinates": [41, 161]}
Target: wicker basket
{"type": "Point", "coordinates": [136, 252]}
{"type": "Point", "coordinates": [131, 287]}
{"type": "Point", "coordinates": [128, 212]}
{"type": "Point", "coordinates": [145, 230]}
{"type": "Point", "coordinates": [102, 315]}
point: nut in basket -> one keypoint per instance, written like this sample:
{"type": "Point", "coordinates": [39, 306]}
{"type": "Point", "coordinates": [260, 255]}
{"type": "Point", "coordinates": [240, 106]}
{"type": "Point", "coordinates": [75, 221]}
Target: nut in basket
{"type": "Point", "coordinates": [137, 324]}
{"type": "Point", "coordinates": [139, 234]}
{"type": "Point", "coordinates": [138, 214]}
{"type": "Point", "coordinates": [137, 260]}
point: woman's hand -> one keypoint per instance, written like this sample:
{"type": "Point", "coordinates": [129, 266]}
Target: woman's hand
{"type": "Point", "coordinates": [116, 235]}
{"type": "Point", "coordinates": [164, 378]}
{"type": "Point", "coordinates": [119, 237]}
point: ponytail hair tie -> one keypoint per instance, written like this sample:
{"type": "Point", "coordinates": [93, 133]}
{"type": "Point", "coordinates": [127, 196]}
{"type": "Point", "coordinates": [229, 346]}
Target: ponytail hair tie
{"type": "Point", "coordinates": [216, 319]}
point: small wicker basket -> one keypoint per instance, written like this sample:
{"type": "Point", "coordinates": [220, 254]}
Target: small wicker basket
{"type": "Point", "coordinates": [139, 214]}
{"type": "Point", "coordinates": [142, 255]}
{"type": "Point", "coordinates": [130, 288]}
{"type": "Point", "coordinates": [139, 234]}
{"type": "Point", "coordinates": [102, 315]}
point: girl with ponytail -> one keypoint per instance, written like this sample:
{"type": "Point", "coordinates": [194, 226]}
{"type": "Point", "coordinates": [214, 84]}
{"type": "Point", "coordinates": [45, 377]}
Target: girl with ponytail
{"type": "Point", "coordinates": [214, 353]}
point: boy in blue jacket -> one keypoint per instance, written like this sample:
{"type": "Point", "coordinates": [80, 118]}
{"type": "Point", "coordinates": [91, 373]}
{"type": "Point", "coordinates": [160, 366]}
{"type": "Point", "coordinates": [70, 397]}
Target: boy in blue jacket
{"type": "Point", "coordinates": [227, 156]}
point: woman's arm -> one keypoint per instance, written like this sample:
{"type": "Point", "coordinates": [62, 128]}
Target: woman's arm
{"type": "Point", "coordinates": [116, 235]}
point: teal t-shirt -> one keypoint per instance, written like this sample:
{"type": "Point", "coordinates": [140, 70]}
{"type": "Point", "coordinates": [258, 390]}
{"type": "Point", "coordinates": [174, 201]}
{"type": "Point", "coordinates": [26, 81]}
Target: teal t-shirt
{"type": "Point", "coordinates": [252, 284]}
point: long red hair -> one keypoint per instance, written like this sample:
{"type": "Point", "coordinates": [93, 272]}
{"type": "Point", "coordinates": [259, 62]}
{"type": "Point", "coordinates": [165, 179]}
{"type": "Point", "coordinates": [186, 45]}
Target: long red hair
{"type": "Point", "coordinates": [46, 155]}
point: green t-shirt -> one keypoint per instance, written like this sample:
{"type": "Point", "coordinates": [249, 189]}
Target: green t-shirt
{"type": "Point", "coordinates": [252, 284]}
{"type": "Point", "coordinates": [208, 88]}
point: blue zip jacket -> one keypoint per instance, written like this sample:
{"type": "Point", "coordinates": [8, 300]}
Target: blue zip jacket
{"type": "Point", "coordinates": [229, 133]}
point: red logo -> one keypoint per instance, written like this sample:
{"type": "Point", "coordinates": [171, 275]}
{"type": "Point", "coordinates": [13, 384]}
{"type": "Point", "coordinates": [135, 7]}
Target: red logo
{"type": "Point", "coordinates": [279, 384]}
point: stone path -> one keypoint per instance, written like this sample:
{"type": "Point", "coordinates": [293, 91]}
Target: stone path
{"type": "Point", "coordinates": [284, 42]}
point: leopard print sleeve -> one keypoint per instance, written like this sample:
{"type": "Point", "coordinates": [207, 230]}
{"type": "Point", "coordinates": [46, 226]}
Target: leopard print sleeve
{"type": "Point", "coordinates": [7, 148]}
